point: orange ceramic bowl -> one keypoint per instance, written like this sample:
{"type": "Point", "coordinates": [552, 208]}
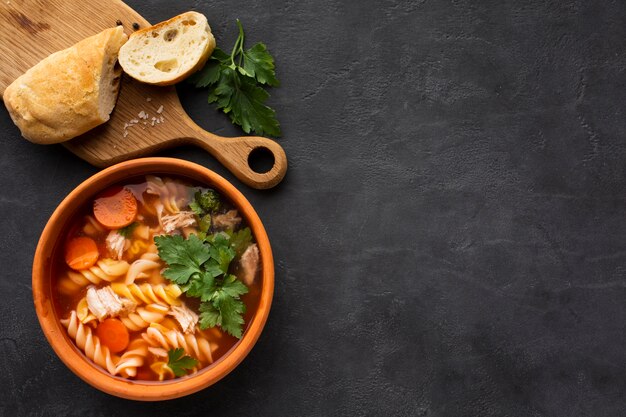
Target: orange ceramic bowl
{"type": "Point", "coordinates": [56, 333]}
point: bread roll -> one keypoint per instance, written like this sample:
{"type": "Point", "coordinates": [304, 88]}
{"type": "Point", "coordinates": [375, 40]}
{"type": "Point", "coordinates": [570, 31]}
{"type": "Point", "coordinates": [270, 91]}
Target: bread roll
{"type": "Point", "coordinates": [70, 91]}
{"type": "Point", "coordinates": [170, 51]}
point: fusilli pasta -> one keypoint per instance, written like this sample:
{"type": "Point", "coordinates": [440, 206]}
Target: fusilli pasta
{"type": "Point", "coordinates": [139, 268]}
{"type": "Point", "coordinates": [160, 336]}
{"type": "Point", "coordinates": [147, 294]}
{"type": "Point", "coordinates": [82, 311]}
{"type": "Point", "coordinates": [89, 343]}
{"type": "Point", "coordinates": [143, 316]}
{"type": "Point", "coordinates": [105, 270]}
{"type": "Point", "coordinates": [133, 358]}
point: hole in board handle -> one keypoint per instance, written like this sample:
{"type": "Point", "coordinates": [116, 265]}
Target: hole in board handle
{"type": "Point", "coordinates": [261, 160]}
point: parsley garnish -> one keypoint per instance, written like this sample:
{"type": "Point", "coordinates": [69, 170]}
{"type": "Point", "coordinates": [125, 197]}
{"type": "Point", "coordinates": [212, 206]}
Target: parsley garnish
{"type": "Point", "coordinates": [240, 240]}
{"type": "Point", "coordinates": [178, 363]}
{"type": "Point", "coordinates": [235, 85]}
{"type": "Point", "coordinates": [128, 230]}
{"type": "Point", "coordinates": [200, 268]}
{"type": "Point", "coordinates": [225, 310]}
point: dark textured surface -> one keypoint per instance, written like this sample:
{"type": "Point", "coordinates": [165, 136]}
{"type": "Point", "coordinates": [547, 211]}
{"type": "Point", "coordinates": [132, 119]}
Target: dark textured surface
{"type": "Point", "coordinates": [449, 240]}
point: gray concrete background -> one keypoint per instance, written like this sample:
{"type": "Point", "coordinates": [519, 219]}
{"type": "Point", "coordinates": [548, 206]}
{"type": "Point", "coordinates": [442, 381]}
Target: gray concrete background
{"type": "Point", "coordinates": [449, 239]}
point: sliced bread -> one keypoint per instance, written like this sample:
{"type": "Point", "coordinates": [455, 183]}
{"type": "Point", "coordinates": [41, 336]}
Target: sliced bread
{"type": "Point", "coordinates": [69, 92]}
{"type": "Point", "coordinates": [170, 51]}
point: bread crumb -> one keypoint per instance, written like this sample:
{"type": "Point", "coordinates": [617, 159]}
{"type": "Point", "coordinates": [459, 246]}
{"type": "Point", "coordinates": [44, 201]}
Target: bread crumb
{"type": "Point", "coordinates": [148, 99]}
{"type": "Point", "coordinates": [142, 115]}
{"type": "Point", "coordinates": [162, 119]}
{"type": "Point", "coordinates": [125, 133]}
{"type": "Point", "coordinates": [133, 121]}
{"type": "Point", "coordinates": [160, 110]}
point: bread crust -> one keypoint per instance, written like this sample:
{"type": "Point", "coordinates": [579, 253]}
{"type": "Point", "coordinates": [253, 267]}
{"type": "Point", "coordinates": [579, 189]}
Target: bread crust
{"type": "Point", "coordinates": [59, 98]}
{"type": "Point", "coordinates": [146, 32]}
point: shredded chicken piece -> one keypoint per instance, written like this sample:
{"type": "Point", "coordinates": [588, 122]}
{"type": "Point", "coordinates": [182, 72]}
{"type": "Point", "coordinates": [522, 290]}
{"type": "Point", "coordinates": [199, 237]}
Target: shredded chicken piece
{"type": "Point", "coordinates": [185, 317]}
{"type": "Point", "coordinates": [116, 244]}
{"type": "Point", "coordinates": [105, 303]}
{"type": "Point", "coordinates": [158, 231]}
{"type": "Point", "coordinates": [228, 220]}
{"type": "Point", "coordinates": [249, 264]}
{"type": "Point", "coordinates": [179, 220]}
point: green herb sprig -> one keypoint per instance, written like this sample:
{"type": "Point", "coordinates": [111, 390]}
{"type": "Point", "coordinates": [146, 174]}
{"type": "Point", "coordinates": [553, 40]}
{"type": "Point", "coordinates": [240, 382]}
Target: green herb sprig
{"type": "Point", "coordinates": [178, 363]}
{"type": "Point", "coordinates": [200, 268]}
{"type": "Point", "coordinates": [235, 84]}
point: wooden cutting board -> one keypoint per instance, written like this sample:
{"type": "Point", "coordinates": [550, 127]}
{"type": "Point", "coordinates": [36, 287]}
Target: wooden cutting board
{"type": "Point", "coordinates": [30, 30]}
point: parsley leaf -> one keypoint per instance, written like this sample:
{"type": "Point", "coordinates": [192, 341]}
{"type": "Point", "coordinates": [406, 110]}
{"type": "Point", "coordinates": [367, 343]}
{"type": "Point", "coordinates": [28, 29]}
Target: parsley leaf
{"type": "Point", "coordinates": [209, 316]}
{"type": "Point", "coordinates": [233, 287]}
{"type": "Point", "coordinates": [213, 268]}
{"type": "Point", "coordinates": [234, 83]}
{"type": "Point", "coordinates": [225, 309]}
{"type": "Point", "coordinates": [180, 274]}
{"type": "Point", "coordinates": [184, 257]}
{"type": "Point", "coordinates": [210, 74]}
{"type": "Point", "coordinates": [231, 314]}
{"type": "Point", "coordinates": [243, 101]}
{"type": "Point", "coordinates": [221, 251]}
{"type": "Point", "coordinates": [240, 240]}
{"type": "Point", "coordinates": [258, 63]}
{"type": "Point", "coordinates": [178, 363]}
{"type": "Point", "coordinates": [201, 268]}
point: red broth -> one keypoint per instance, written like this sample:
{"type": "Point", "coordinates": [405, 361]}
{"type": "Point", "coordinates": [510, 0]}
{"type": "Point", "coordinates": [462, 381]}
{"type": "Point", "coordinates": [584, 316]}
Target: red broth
{"type": "Point", "coordinates": [134, 275]}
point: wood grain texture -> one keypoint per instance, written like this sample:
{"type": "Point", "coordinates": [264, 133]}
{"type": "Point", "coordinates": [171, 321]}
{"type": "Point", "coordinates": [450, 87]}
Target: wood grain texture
{"type": "Point", "coordinates": [31, 30]}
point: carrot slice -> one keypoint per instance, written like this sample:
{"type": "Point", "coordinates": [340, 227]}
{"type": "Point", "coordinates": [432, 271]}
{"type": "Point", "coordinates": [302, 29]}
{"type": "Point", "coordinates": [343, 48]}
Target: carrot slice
{"type": "Point", "coordinates": [113, 334]}
{"type": "Point", "coordinates": [81, 253]}
{"type": "Point", "coordinates": [115, 208]}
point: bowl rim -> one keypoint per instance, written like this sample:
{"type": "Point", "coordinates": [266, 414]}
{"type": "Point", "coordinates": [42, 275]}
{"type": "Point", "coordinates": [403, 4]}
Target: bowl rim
{"type": "Point", "coordinates": [56, 334]}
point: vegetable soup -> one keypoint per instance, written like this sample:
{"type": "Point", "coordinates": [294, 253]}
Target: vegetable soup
{"type": "Point", "coordinates": [156, 278]}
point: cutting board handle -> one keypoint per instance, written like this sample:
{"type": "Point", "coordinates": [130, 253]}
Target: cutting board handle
{"type": "Point", "coordinates": [234, 154]}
